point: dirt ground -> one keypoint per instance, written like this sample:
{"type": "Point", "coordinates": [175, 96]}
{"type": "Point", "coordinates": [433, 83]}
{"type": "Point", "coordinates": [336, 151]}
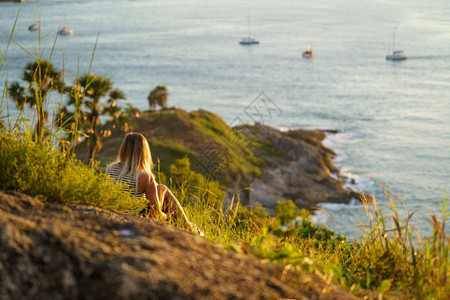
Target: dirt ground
{"type": "Point", "coordinates": [57, 251]}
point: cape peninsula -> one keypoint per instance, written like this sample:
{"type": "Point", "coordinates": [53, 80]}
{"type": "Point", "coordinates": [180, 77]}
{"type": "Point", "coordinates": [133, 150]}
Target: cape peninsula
{"type": "Point", "coordinates": [264, 164]}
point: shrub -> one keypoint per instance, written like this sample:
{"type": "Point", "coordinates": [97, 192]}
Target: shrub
{"type": "Point", "coordinates": [38, 170]}
{"type": "Point", "coordinates": [195, 184]}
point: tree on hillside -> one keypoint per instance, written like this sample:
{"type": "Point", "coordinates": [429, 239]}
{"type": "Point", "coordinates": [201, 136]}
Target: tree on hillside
{"type": "Point", "coordinates": [89, 108]}
{"type": "Point", "coordinates": [158, 96]}
{"type": "Point", "coordinates": [42, 79]}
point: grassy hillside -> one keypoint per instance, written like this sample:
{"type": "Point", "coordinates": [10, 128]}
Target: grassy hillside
{"type": "Point", "coordinates": [387, 263]}
{"type": "Point", "coordinates": [203, 136]}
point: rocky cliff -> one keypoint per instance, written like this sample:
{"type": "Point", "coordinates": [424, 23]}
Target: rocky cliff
{"type": "Point", "coordinates": [299, 167]}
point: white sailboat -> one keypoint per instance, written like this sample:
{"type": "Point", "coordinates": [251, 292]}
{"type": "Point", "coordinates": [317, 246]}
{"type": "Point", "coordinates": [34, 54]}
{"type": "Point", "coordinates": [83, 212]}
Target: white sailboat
{"type": "Point", "coordinates": [396, 54]}
{"type": "Point", "coordinates": [65, 30]}
{"type": "Point", "coordinates": [248, 40]}
{"type": "Point", "coordinates": [34, 27]}
{"type": "Point", "coordinates": [309, 53]}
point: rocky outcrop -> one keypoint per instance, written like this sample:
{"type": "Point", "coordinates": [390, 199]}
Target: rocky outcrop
{"type": "Point", "coordinates": [57, 251]}
{"type": "Point", "coordinates": [298, 167]}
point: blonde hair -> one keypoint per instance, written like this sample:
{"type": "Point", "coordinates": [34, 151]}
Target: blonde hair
{"type": "Point", "coordinates": [134, 156]}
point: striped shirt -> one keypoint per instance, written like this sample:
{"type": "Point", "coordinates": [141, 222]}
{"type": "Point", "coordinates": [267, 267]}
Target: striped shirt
{"type": "Point", "coordinates": [127, 179]}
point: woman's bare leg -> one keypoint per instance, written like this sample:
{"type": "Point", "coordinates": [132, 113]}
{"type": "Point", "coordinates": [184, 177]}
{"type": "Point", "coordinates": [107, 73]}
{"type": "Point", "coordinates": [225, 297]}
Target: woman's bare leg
{"type": "Point", "coordinates": [171, 206]}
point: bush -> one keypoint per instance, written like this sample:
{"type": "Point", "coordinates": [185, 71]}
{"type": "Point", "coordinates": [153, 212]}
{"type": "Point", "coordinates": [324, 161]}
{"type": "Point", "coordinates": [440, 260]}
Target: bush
{"type": "Point", "coordinates": [195, 184]}
{"type": "Point", "coordinates": [38, 170]}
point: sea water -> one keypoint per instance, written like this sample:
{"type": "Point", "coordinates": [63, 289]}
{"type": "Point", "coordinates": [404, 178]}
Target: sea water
{"type": "Point", "coordinates": [393, 117]}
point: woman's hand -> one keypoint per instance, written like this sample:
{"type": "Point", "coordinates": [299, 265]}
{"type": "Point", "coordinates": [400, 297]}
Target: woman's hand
{"type": "Point", "coordinates": [161, 217]}
{"type": "Point", "coordinates": [154, 214]}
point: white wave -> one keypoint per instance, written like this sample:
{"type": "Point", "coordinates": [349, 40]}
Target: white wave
{"type": "Point", "coordinates": [355, 182]}
{"type": "Point", "coordinates": [352, 181]}
{"type": "Point", "coordinates": [323, 216]}
{"type": "Point", "coordinates": [335, 176]}
{"type": "Point", "coordinates": [334, 141]}
{"type": "Point", "coordinates": [353, 204]}
{"type": "Point", "coordinates": [340, 159]}
{"type": "Point", "coordinates": [319, 218]}
{"type": "Point", "coordinates": [342, 137]}
{"type": "Point", "coordinates": [283, 129]}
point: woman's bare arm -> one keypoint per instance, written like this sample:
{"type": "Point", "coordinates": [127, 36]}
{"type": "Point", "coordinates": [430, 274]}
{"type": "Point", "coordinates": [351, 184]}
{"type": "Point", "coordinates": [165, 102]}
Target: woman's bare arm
{"type": "Point", "coordinates": [147, 184]}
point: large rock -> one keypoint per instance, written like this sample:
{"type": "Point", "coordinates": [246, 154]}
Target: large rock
{"type": "Point", "coordinates": [299, 168]}
{"type": "Point", "coordinates": [57, 251]}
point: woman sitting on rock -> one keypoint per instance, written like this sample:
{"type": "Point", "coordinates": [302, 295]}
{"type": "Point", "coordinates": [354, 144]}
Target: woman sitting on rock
{"type": "Point", "coordinates": [134, 168]}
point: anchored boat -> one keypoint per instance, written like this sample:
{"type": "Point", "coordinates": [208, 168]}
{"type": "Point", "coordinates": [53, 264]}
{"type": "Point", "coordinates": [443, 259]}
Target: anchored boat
{"type": "Point", "coordinates": [396, 54]}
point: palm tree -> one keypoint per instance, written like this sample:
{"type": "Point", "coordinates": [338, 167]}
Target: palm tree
{"type": "Point", "coordinates": [42, 78]}
{"type": "Point", "coordinates": [17, 94]}
{"type": "Point", "coordinates": [158, 96]}
{"type": "Point", "coordinates": [90, 108]}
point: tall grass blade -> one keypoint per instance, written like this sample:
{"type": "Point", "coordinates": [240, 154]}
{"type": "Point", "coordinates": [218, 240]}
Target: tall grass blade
{"type": "Point", "coordinates": [93, 52]}
{"type": "Point", "coordinates": [16, 20]}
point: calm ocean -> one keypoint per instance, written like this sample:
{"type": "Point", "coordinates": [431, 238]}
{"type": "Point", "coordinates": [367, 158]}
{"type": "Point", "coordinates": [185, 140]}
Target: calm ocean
{"type": "Point", "coordinates": [394, 117]}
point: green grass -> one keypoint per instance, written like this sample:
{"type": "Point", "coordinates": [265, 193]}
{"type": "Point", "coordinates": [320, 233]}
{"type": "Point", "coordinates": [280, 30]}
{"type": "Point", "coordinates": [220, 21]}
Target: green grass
{"type": "Point", "coordinates": [386, 262]}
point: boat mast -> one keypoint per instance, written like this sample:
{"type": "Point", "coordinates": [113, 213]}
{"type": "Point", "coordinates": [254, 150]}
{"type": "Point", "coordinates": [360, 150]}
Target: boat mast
{"type": "Point", "coordinates": [65, 19]}
{"type": "Point", "coordinates": [308, 48]}
{"type": "Point", "coordinates": [393, 40]}
{"type": "Point", "coordinates": [248, 23]}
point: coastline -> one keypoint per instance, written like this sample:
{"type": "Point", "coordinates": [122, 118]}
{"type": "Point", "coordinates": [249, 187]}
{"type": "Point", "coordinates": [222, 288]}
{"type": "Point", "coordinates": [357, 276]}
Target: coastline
{"type": "Point", "coordinates": [300, 168]}
{"type": "Point", "coordinates": [335, 140]}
